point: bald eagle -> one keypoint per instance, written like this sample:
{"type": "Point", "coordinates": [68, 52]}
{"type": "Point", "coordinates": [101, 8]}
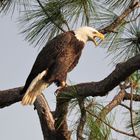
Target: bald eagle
{"type": "Point", "coordinates": [59, 56]}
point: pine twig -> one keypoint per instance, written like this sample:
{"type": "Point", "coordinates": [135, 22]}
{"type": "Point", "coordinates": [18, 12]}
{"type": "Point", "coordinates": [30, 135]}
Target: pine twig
{"type": "Point", "coordinates": [133, 19]}
{"type": "Point", "coordinates": [125, 106]}
{"type": "Point", "coordinates": [120, 19]}
{"type": "Point", "coordinates": [113, 128]}
{"type": "Point", "coordinates": [109, 107]}
{"type": "Point", "coordinates": [50, 17]}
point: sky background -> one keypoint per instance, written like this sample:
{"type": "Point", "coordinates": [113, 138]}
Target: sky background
{"type": "Point", "coordinates": [16, 59]}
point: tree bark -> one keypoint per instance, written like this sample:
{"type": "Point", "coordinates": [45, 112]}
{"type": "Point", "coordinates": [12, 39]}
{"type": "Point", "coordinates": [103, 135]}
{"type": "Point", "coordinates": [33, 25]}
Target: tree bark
{"type": "Point", "coordinates": [46, 118]}
{"type": "Point", "coordinates": [10, 96]}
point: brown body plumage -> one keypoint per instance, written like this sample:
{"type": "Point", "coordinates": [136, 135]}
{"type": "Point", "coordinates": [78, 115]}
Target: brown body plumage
{"type": "Point", "coordinates": [58, 57]}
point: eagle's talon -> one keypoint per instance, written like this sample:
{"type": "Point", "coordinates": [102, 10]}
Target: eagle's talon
{"type": "Point", "coordinates": [57, 91]}
{"type": "Point", "coordinates": [64, 84]}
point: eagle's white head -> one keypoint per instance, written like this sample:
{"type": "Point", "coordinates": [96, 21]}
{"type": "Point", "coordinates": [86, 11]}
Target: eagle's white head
{"type": "Point", "coordinates": [88, 34]}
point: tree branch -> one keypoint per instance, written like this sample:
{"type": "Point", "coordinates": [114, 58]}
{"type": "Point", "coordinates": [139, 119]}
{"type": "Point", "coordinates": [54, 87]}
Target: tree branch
{"type": "Point", "coordinates": [120, 19]}
{"type": "Point", "coordinates": [46, 118]}
{"type": "Point", "coordinates": [101, 88]}
{"type": "Point", "coordinates": [61, 119]}
{"type": "Point", "coordinates": [108, 108]}
{"type": "Point", "coordinates": [10, 96]}
{"type": "Point", "coordinates": [136, 97]}
{"type": "Point", "coordinates": [82, 120]}
{"type": "Point", "coordinates": [50, 18]}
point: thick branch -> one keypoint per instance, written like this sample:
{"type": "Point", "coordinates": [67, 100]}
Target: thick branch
{"type": "Point", "coordinates": [10, 96]}
{"type": "Point", "coordinates": [46, 118]}
{"type": "Point", "coordinates": [82, 120]}
{"type": "Point", "coordinates": [61, 119]}
{"type": "Point", "coordinates": [101, 88]}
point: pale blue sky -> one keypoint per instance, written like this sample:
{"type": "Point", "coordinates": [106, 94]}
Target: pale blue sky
{"type": "Point", "coordinates": [16, 59]}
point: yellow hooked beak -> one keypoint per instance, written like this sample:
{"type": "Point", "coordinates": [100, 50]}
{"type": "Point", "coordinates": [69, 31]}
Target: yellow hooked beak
{"type": "Point", "coordinates": [99, 35]}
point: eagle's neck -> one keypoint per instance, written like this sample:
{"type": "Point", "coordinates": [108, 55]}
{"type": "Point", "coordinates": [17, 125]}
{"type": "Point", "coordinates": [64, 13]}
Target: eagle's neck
{"type": "Point", "coordinates": [81, 36]}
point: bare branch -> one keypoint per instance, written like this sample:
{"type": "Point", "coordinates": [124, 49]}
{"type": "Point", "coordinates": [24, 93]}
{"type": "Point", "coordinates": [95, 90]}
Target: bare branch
{"type": "Point", "coordinates": [10, 96]}
{"type": "Point", "coordinates": [82, 120]}
{"type": "Point", "coordinates": [61, 118]}
{"type": "Point", "coordinates": [46, 118]}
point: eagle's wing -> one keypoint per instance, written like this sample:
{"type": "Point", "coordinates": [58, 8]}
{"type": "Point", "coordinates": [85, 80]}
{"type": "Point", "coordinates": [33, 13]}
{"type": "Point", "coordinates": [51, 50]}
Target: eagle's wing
{"type": "Point", "coordinates": [75, 62]}
{"type": "Point", "coordinates": [48, 55]}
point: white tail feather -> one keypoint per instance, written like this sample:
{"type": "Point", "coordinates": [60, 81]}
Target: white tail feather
{"type": "Point", "coordinates": [36, 87]}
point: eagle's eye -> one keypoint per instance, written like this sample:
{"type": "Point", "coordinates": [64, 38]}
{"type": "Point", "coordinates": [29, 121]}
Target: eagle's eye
{"type": "Point", "coordinates": [94, 32]}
